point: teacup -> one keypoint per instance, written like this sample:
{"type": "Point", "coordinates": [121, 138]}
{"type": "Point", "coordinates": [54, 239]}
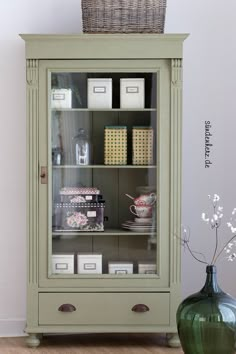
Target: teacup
{"type": "Point", "coordinates": [145, 199]}
{"type": "Point", "coordinates": [141, 211]}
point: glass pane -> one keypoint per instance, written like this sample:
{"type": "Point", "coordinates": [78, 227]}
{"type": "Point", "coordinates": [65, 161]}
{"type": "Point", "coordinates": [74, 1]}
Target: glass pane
{"type": "Point", "coordinates": [104, 178]}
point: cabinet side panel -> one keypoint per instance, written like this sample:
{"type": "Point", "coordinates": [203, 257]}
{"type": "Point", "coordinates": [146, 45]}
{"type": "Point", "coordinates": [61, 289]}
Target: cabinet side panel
{"type": "Point", "coordinates": [32, 188]}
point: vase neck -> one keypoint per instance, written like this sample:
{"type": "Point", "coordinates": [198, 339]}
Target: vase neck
{"type": "Point", "coordinates": [211, 286]}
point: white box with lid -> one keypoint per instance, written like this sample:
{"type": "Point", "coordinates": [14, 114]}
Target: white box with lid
{"type": "Point", "coordinates": [100, 93]}
{"type": "Point", "coordinates": [61, 98]}
{"type": "Point", "coordinates": [132, 93]}
{"type": "Point", "coordinates": [147, 268]}
{"type": "Point", "coordinates": [89, 263]}
{"type": "Point", "coordinates": [120, 267]}
{"type": "Point", "coordinates": [63, 263]}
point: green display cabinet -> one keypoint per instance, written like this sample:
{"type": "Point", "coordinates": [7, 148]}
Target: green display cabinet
{"type": "Point", "coordinates": [104, 183]}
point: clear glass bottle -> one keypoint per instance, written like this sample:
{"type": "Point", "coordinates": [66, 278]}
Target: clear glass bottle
{"type": "Point", "coordinates": [81, 148]}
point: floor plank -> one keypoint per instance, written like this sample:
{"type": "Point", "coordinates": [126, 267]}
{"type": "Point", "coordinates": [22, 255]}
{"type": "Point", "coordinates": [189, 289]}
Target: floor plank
{"type": "Point", "coordinates": [91, 344]}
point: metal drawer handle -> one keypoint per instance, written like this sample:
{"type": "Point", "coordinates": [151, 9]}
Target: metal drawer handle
{"type": "Point", "coordinates": [140, 308]}
{"type": "Point", "coordinates": [67, 308]}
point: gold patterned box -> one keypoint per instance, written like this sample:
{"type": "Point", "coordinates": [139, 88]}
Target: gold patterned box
{"type": "Point", "coordinates": [142, 143]}
{"type": "Point", "coordinates": [115, 145]}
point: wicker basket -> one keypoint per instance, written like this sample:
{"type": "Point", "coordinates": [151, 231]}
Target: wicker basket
{"type": "Point", "coordinates": [142, 145]}
{"type": "Point", "coordinates": [127, 16]}
{"type": "Point", "coordinates": [115, 147]}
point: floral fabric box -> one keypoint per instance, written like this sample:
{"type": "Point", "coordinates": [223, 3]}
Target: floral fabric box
{"type": "Point", "coordinates": [78, 217]}
{"type": "Point", "coordinates": [63, 263]}
{"type": "Point", "coordinates": [89, 263]}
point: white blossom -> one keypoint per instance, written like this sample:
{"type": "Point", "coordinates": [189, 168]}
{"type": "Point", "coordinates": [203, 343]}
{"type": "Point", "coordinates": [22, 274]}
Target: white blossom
{"type": "Point", "coordinates": [205, 218]}
{"type": "Point", "coordinates": [234, 211]}
{"type": "Point", "coordinates": [216, 198]}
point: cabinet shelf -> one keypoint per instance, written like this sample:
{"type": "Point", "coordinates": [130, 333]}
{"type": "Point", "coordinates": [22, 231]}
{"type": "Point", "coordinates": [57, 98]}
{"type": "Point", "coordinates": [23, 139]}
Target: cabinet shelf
{"type": "Point", "coordinates": [104, 110]}
{"type": "Point", "coordinates": [103, 166]}
{"type": "Point", "coordinates": [109, 232]}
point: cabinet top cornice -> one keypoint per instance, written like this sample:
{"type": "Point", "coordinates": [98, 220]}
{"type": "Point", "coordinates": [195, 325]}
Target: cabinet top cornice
{"type": "Point", "coordinates": [103, 46]}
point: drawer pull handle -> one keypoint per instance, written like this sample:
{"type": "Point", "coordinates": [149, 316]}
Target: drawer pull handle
{"type": "Point", "coordinates": [140, 308]}
{"type": "Point", "coordinates": [67, 308]}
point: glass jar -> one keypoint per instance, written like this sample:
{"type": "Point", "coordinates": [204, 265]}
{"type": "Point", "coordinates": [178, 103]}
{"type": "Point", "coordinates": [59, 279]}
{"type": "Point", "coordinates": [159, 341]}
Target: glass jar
{"type": "Point", "coordinates": [81, 148]}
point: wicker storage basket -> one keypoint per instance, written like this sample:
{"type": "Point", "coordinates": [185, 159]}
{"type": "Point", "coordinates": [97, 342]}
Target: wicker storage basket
{"type": "Point", "coordinates": [127, 16]}
{"type": "Point", "coordinates": [115, 147]}
{"type": "Point", "coordinates": [142, 145]}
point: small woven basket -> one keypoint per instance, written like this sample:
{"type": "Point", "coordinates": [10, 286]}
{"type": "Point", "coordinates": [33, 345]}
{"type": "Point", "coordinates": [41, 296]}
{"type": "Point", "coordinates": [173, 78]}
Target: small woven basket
{"type": "Point", "coordinates": [127, 16]}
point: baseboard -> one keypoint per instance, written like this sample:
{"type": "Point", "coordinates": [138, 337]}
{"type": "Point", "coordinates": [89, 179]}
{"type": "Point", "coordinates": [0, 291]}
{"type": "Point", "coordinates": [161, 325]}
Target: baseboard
{"type": "Point", "coordinates": [12, 327]}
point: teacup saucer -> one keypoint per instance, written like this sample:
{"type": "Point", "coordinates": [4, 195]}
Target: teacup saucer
{"type": "Point", "coordinates": [143, 220]}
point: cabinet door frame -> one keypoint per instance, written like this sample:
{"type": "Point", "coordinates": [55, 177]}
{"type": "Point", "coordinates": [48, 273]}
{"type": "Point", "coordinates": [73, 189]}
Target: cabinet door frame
{"type": "Point", "coordinates": [107, 282]}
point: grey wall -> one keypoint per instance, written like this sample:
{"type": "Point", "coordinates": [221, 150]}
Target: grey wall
{"type": "Point", "coordinates": [209, 94]}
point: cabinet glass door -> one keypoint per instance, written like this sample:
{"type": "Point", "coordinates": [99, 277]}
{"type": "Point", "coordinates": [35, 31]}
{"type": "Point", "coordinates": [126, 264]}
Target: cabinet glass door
{"type": "Point", "coordinates": [104, 175]}
{"type": "Point", "coordinates": [106, 207]}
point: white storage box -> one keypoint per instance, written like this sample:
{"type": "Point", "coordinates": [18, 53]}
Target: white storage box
{"type": "Point", "coordinates": [61, 98]}
{"type": "Point", "coordinates": [99, 93]}
{"type": "Point", "coordinates": [132, 93]}
{"type": "Point", "coordinates": [63, 263]}
{"type": "Point", "coordinates": [147, 268]}
{"type": "Point", "coordinates": [89, 263]}
{"type": "Point", "coordinates": [120, 267]}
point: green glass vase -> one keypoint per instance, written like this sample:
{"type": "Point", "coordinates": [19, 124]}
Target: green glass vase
{"type": "Point", "coordinates": [207, 320]}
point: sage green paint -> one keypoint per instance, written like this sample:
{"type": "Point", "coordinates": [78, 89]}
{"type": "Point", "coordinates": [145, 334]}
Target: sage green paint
{"type": "Point", "coordinates": [152, 53]}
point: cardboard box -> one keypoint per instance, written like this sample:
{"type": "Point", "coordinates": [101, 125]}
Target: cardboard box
{"type": "Point", "coordinates": [100, 93]}
{"type": "Point", "coordinates": [132, 93]}
{"type": "Point", "coordinates": [89, 263]}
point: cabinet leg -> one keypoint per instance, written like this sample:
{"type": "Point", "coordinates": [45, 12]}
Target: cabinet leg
{"type": "Point", "coordinates": [33, 340]}
{"type": "Point", "coordinates": [173, 340]}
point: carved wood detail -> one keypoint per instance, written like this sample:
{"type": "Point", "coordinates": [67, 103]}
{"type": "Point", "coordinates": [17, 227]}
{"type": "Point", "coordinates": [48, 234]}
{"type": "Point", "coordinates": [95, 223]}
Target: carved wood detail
{"type": "Point", "coordinates": [32, 71]}
{"type": "Point", "coordinates": [32, 152]}
{"type": "Point", "coordinates": [176, 156]}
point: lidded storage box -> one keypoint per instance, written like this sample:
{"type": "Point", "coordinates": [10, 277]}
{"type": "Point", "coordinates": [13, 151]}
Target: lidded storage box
{"type": "Point", "coordinates": [89, 263]}
{"type": "Point", "coordinates": [61, 98]}
{"type": "Point", "coordinates": [147, 268]}
{"type": "Point", "coordinates": [80, 195]}
{"type": "Point", "coordinates": [132, 93]}
{"type": "Point", "coordinates": [63, 263]}
{"type": "Point", "coordinates": [99, 93]}
{"type": "Point", "coordinates": [120, 267]}
{"type": "Point", "coordinates": [142, 141]}
{"type": "Point", "coordinates": [115, 149]}
{"type": "Point", "coordinates": [79, 216]}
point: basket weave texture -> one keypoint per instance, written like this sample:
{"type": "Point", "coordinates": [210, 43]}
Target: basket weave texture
{"type": "Point", "coordinates": [127, 16]}
{"type": "Point", "coordinates": [115, 149]}
{"type": "Point", "coordinates": [142, 146]}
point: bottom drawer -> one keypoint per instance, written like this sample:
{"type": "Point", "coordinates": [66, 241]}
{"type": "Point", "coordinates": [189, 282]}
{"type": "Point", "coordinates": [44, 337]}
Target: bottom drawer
{"type": "Point", "coordinates": [104, 308]}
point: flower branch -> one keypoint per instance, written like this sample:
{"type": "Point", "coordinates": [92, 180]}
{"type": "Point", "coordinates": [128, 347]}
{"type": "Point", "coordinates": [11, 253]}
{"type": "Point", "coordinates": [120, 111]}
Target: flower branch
{"type": "Point", "coordinates": [215, 222]}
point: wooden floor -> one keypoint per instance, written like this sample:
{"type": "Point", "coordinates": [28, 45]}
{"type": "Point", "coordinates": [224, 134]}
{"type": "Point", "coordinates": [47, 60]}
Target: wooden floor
{"type": "Point", "coordinates": [92, 344]}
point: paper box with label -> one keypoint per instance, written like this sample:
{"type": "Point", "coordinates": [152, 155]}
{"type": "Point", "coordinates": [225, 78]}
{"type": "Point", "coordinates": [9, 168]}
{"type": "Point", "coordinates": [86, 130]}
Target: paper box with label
{"type": "Point", "coordinates": [120, 267]}
{"type": "Point", "coordinates": [61, 98]}
{"type": "Point", "coordinates": [79, 216]}
{"type": "Point", "coordinates": [99, 93]}
{"type": "Point", "coordinates": [63, 263]}
{"type": "Point", "coordinates": [147, 268]}
{"type": "Point", "coordinates": [132, 93]}
{"type": "Point", "coordinates": [89, 263]}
